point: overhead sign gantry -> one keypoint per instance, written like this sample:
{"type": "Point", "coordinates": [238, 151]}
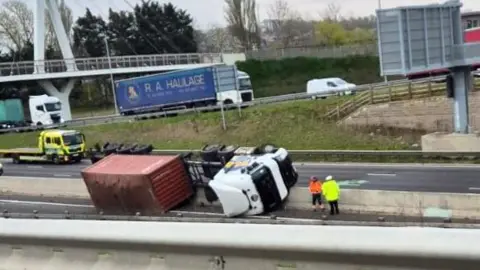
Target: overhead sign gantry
{"type": "Point", "coordinates": [421, 38]}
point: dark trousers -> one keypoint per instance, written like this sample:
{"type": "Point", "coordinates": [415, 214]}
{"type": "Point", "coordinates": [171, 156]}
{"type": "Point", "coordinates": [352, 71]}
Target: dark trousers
{"type": "Point", "coordinates": [334, 207]}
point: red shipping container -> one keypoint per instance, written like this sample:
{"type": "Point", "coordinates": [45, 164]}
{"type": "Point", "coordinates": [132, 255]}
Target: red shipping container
{"type": "Point", "coordinates": [146, 184]}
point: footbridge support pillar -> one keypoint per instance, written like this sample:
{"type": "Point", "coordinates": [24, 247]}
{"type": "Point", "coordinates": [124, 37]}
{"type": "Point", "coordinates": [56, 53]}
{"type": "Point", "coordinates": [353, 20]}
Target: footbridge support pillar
{"type": "Point", "coordinates": [63, 94]}
{"type": "Point", "coordinates": [39, 35]}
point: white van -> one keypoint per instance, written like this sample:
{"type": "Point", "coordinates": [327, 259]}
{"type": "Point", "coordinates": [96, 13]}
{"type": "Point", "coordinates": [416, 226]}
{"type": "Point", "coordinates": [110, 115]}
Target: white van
{"type": "Point", "coordinates": [329, 86]}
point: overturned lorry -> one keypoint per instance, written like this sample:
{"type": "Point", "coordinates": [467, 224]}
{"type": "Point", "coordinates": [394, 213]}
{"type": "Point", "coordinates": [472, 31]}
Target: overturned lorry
{"type": "Point", "coordinates": [244, 180]}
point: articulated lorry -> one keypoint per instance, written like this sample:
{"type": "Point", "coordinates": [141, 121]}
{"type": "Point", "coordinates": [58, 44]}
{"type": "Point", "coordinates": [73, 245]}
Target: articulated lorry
{"type": "Point", "coordinates": [182, 89]}
{"type": "Point", "coordinates": [42, 110]}
{"type": "Point", "coordinates": [56, 146]}
{"type": "Point", "coordinates": [244, 180]}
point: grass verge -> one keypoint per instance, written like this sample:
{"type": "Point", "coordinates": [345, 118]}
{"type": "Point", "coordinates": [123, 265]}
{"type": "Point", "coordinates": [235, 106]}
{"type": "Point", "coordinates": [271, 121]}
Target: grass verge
{"type": "Point", "coordinates": [293, 125]}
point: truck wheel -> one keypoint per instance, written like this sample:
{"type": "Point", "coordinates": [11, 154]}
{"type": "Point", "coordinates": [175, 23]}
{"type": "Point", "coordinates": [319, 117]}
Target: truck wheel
{"type": "Point", "coordinates": [15, 159]}
{"type": "Point", "coordinates": [210, 195]}
{"type": "Point", "coordinates": [55, 159]}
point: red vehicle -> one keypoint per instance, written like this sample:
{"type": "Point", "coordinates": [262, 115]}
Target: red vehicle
{"type": "Point", "coordinates": [471, 35]}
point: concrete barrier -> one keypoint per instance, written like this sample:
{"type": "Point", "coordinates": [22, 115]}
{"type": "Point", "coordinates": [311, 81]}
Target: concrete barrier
{"type": "Point", "coordinates": [352, 200]}
{"type": "Point", "coordinates": [107, 245]}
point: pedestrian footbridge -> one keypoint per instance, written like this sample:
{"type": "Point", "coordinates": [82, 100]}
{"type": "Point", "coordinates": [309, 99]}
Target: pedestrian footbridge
{"type": "Point", "coordinates": [88, 67]}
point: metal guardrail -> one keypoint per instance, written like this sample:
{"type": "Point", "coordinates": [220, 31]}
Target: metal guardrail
{"type": "Point", "coordinates": [352, 153]}
{"type": "Point", "coordinates": [79, 122]}
{"type": "Point", "coordinates": [99, 63]}
{"type": "Point", "coordinates": [56, 244]}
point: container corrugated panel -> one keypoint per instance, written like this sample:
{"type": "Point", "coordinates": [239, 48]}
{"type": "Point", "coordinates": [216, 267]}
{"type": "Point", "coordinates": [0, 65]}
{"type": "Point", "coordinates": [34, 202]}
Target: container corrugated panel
{"type": "Point", "coordinates": [147, 184]}
{"type": "Point", "coordinates": [14, 110]}
{"type": "Point", "coordinates": [3, 111]}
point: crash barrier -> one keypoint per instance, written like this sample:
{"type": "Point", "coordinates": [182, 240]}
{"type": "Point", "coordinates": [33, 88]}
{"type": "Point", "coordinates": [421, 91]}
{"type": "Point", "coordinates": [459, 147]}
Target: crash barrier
{"type": "Point", "coordinates": [331, 154]}
{"type": "Point", "coordinates": [63, 244]}
{"type": "Point", "coordinates": [386, 92]}
{"type": "Point", "coordinates": [418, 204]}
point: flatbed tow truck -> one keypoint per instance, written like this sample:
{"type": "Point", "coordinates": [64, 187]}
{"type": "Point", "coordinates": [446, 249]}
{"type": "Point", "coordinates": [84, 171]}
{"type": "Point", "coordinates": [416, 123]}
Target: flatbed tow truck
{"type": "Point", "coordinates": [56, 146]}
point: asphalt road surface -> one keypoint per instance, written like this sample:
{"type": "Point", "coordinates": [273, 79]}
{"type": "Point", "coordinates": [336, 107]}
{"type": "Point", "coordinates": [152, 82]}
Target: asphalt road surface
{"type": "Point", "coordinates": [18, 206]}
{"type": "Point", "coordinates": [404, 177]}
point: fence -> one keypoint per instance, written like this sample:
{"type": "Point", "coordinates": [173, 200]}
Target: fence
{"type": "Point", "coordinates": [62, 244]}
{"type": "Point", "coordinates": [389, 93]}
{"type": "Point", "coordinates": [318, 52]}
{"type": "Point", "coordinates": [361, 155]}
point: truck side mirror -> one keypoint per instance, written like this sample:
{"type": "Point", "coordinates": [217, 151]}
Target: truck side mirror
{"type": "Point", "coordinates": [450, 86]}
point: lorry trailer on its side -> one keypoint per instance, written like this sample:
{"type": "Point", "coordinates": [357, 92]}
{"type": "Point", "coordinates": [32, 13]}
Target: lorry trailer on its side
{"type": "Point", "coordinates": [181, 89]}
{"type": "Point", "coordinates": [244, 180]}
{"type": "Point", "coordinates": [56, 146]}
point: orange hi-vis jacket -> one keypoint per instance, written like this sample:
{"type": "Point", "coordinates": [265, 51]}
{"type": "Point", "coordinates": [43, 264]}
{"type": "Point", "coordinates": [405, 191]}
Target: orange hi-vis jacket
{"type": "Point", "coordinates": [315, 187]}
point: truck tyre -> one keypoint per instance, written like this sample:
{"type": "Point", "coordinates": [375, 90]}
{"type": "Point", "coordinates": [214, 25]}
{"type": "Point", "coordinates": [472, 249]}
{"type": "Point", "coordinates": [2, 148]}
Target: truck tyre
{"type": "Point", "coordinates": [55, 159]}
{"type": "Point", "coordinates": [142, 149]}
{"type": "Point", "coordinates": [15, 159]}
{"type": "Point", "coordinates": [209, 152]}
{"type": "Point", "coordinates": [210, 194]}
{"type": "Point", "coordinates": [226, 153]}
{"type": "Point", "coordinates": [126, 149]}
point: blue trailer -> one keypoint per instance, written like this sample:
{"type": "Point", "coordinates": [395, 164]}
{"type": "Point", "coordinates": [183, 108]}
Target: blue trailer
{"type": "Point", "coordinates": [170, 90]}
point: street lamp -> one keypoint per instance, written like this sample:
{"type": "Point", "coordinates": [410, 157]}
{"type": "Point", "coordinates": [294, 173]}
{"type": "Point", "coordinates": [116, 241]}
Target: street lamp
{"type": "Point", "coordinates": [111, 73]}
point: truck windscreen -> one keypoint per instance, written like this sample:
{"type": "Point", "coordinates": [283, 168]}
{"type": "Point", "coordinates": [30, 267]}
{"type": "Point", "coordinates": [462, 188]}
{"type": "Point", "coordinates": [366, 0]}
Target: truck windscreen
{"type": "Point", "coordinates": [51, 107]}
{"type": "Point", "coordinates": [72, 139]}
{"type": "Point", "coordinates": [245, 84]}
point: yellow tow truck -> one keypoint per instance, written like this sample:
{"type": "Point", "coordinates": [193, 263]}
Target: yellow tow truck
{"type": "Point", "coordinates": [57, 146]}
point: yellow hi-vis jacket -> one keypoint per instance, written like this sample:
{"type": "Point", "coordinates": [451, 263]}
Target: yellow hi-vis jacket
{"type": "Point", "coordinates": [331, 190]}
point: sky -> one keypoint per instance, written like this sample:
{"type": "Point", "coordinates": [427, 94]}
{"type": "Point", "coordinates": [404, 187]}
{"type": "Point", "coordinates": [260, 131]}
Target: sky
{"type": "Point", "coordinates": [207, 13]}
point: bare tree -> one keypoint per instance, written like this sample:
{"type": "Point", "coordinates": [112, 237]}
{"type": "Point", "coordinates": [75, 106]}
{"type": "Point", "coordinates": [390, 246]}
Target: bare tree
{"type": "Point", "coordinates": [332, 12]}
{"type": "Point", "coordinates": [242, 19]}
{"type": "Point", "coordinates": [284, 23]}
{"type": "Point", "coordinates": [16, 25]}
{"type": "Point", "coordinates": [219, 39]}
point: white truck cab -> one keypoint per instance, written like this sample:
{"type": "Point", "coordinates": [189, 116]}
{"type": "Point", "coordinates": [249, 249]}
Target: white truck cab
{"type": "Point", "coordinates": [45, 110]}
{"type": "Point", "coordinates": [244, 93]}
{"type": "Point", "coordinates": [329, 86]}
{"type": "Point", "coordinates": [251, 184]}
{"type": "Point", "coordinates": [1, 168]}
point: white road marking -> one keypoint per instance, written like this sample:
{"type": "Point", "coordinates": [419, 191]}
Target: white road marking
{"type": "Point", "coordinates": [474, 188]}
{"type": "Point", "coordinates": [46, 203]}
{"type": "Point", "coordinates": [388, 165]}
{"type": "Point", "coordinates": [62, 175]}
{"type": "Point", "coordinates": [382, 174]}
{"type": "Point", "coordinates": [34, 167]}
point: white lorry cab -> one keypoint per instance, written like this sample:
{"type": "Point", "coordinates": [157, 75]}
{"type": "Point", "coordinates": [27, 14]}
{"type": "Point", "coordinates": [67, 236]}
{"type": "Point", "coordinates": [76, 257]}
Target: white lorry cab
{"type": "Point", "coordinates": [322, 88]}
{"type": "Point", "coordinates": [45, 110]}
{"type": "Point", "coordinates": [252, 182]}
{"type": "Point", "coordinates": [244, 93]}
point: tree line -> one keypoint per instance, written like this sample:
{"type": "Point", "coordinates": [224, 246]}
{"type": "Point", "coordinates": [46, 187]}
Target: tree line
{"type": "Point", "coordinates": [153, 28]}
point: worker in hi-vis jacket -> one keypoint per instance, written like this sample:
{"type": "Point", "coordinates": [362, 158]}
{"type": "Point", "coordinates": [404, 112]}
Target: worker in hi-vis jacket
{"type": "Point", "coordinates": [315, 188]}
{"type": "Point", "coordinates": [331, 192]}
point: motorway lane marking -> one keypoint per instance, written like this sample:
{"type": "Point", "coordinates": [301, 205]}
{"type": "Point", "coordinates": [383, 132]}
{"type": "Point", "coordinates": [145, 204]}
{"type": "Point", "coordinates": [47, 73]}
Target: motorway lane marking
{"type": "Point", "coordinates": [382, 174]}
{"type": "Point", "coordinates": [62, 175]}
{"type": "Point", "coordinates": [474, 188]}
{"type": "Point", "coordinates": [46, 203]}
{"type": "Point", "coordinates": [34, 167]}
